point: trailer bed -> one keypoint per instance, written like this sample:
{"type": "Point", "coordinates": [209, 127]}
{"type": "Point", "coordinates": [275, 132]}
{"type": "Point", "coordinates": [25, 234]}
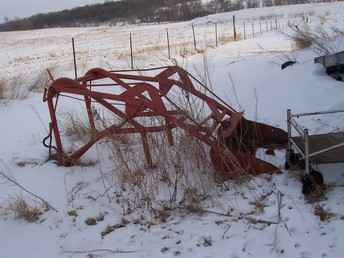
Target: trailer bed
{"type": "Point", "coordinates": [323, 141]}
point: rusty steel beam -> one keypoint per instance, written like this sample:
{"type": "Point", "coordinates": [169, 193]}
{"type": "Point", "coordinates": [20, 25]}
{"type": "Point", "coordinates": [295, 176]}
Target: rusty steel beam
{"type": "Point", "coordinates": [148, 96]}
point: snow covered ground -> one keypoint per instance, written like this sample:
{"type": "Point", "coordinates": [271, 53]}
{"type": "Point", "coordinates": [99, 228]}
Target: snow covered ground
{"type": "Point", "coordinates": [246, 74]}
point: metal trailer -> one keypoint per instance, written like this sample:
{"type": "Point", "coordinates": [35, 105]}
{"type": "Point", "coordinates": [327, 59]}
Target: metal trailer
{"type": "Point", "coordinates": [334, 64]}
{"type": "Point", "coordinates": [314, 149]}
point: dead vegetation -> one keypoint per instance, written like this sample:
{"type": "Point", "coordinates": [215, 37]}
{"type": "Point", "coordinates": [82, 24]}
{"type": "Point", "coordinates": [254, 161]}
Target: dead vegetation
{"type": "Point", "coordinates": [41, 81]}
{"type": "Point", "coordinates": [323, 41]}
{"type": "Point", "coordinates": [323, 214]}
{"type": "Point", "coordinates": [23, 209]}
{"type": "Point", "coordinates": [13, 89]}
{"type": "Point", "coordinates": [182, 174]}
{"type": "Point", "coordinates": [2, 89]}
{"type": "Point", "coordinates": [259, 206]}
{"type": "Point", "coordinates": [18, 87]}
{"type": "Point", "coordinates": [77, 128]}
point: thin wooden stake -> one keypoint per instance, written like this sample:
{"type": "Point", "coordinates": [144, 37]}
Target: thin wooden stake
{"type": "Point", "coordinates": [260, 27]}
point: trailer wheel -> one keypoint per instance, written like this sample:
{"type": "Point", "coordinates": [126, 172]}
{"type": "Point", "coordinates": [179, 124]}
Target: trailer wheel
{"type": "Point", "coordinates": [312, 182]}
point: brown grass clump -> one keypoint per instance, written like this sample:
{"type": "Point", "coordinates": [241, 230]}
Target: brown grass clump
{"type": "Point", "coordinates": [192, 200]}
{"type": "Point", "coordinates": [41, 81]}
{"type": "Point", "coordinates": [78, 129]}
{"type": "Point", "coordinates": [182, 173]}
{"type": "Point", "coordinates": [2, 89]}
{"type": "Point", "coordinates": [322, 41]}
{"type": "Point", "coordinates": [23, 210]}
{"type": "Point", "coordinates": [14, 88]}
{"type": "Point", "coordinates": [259, 206]}
{"type": "Point", "coordinates": [323, 214]}
{"type": "Point", "coordinates": [227, 39]}
{"type": "Point", "coordinates": [302, 39]}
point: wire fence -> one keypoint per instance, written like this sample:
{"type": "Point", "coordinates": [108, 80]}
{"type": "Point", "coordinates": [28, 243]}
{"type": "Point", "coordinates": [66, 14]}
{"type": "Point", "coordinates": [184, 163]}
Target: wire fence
{"type": "Point", "coordinates": [188, 40]}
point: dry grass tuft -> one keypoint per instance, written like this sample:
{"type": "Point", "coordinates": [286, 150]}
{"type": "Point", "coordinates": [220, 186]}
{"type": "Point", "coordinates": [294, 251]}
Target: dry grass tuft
{"type": "Point", "coordinates": [226, 39]}
{"type": "Point", "coordinates": [2, 89]}
{"type": "Point", "coordinates": [324, 215]}
{"type": "Point", "coordinates": [23, 210]}
{"type": "Point", "coordinates": [14, 89]}
{"type": "Point", "coordinates": [318, 194]}
{"type": "Point", "coordinates": [77, 128]}
{"type": "Point", "coordinates": [40, 82]}
{"type": "Point", "coordinates": [259, 206]}
{"type": "Point", "coordinates": [192, 200]}
{"type": "Point", "coordinates": [302, 40]}
{"type": "Point", "coordinates": [322, 41]}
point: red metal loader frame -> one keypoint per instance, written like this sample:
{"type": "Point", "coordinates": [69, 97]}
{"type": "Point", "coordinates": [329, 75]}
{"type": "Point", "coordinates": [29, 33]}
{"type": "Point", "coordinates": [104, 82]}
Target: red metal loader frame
{"type": "Point", "coordinates": [148, 96]}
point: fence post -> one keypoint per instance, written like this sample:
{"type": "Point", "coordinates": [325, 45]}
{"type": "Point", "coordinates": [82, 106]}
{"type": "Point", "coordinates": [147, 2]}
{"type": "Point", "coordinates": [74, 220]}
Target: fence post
{"type": "Point", "coordinates": [244, 30]}
{"type": "Point", "coordinates": [276, 23]}
{"type": "Point", "coordinates": [289, 117]}
{"type": "Point", "coordinates": [252, 25]}
{"type": "Point", "coordinates": [267, 26]}
{"type": "Point", "coordinates": [74, 59]}
{"type": "Point", "coordinates": [216, 38]}
{"type": "Point", "coordinates": [168, 44]}
{"type": "Point", "coordinates": [194, 36]}
{"type": "Point", "coordinates": [131, 52]}
{"type": "Point", "coordinates": [260, 27]}
{"type": "Point", "coordinates": [234, 29]}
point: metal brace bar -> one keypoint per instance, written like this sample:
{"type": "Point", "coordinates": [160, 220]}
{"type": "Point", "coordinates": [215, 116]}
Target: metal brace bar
{"type": "Point", "coordinates": [318, 113]}
{"type": "Point", "coordinates": [298, 128]}
{"type": "Point", "coordinates": [307, 151]}
{"type": "Point", "coordinates": [326, 149]}
{"type": "Point", "coordinates": [297, 147]}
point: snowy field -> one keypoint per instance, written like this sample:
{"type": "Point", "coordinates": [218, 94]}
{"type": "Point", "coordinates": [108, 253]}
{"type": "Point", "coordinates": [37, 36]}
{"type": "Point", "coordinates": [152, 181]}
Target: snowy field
{"type": "Point", "coordinates": [238, 219]}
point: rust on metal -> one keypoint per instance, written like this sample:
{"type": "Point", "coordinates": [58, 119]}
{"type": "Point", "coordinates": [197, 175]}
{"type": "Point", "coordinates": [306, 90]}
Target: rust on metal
{"type": "Point", "coordinates": [233, 140]}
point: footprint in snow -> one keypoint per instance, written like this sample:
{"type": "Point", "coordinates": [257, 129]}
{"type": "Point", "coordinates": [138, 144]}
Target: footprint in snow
{"type": "Point", "coordinates": [305, 254]}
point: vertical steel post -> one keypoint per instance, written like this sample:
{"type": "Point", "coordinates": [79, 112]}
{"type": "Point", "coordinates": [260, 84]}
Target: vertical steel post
{"type": "Point", "coordinates": [252, 25]}
{"type": "Point", "coordinates": [307, 151]}
{"type": "Point", "coordinates": [234, 29]}
{"type": "Point", "coordinates": [74, 59]}
{"type": "Point", "coordinates": [194, 36]}
{"type": "Point", "coordinates": [168, 44]}
{"type": "Point", "coordinates": [289, 150]}
{"type": "Point", "coordinates": [289, 128]}
{"type": "Point", "coordinates": [244, 30]}
{"type": "Point", "coordinates": [131, 52]}
{"type": "Point", "coordinates": [216, 38]}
